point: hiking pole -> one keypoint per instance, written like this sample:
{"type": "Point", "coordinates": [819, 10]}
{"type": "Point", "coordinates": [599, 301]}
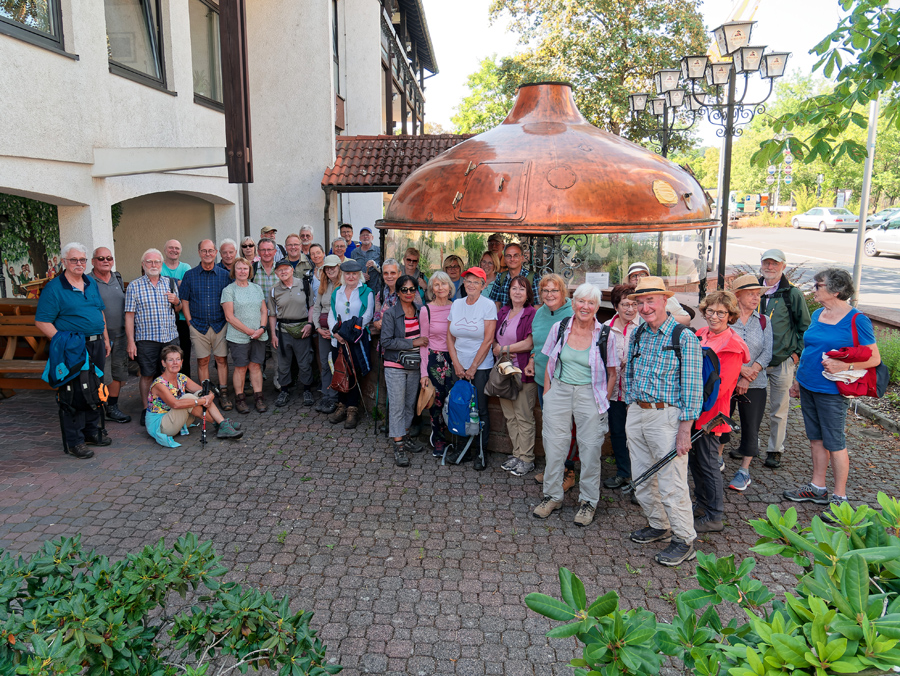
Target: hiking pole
{"type": "Point", "coordinates": [717, 420]}
{"type": "Point", "coordinates": [362, 398]}
{"type": "Point", "coordinates": [206, 385]}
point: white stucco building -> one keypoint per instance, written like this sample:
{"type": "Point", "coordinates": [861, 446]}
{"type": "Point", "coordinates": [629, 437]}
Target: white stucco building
{"type": "Point", "coordinates": [108, 101]}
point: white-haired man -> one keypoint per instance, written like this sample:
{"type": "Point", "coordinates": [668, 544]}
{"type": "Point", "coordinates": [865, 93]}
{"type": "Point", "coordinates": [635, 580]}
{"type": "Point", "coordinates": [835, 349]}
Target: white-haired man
{"type": "Point", "coordinates": [228, 249]}
{"type": "Point", "coordinates": [151, 306]}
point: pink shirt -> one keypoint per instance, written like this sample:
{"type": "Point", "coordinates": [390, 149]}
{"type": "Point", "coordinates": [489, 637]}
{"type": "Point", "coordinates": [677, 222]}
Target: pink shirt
{"type": "Point", "coordinates": [552, 348]}
{"type": "Point", "coordinates": [435, 329]}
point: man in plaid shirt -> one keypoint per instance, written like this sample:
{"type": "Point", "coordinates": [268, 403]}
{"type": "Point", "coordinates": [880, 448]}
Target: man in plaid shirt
{"type": "Point", "coordinates": [664, 396]}
{"type": "Point", "coordinates": [515, 267]}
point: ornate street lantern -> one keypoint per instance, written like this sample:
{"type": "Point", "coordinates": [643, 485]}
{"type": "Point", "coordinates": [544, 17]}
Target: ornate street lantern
{"type": "Point", "coordinates": [637, 103]}
{"type": "Point", "coordinates": [732, 36]}
{"type": "Point", "coordinates": [665, 80]}
{"type": "Point", "coordinates": [773, 64]}
{"type": "Point", "coordinates": [694, 67]}
{"type": "Point", "coordinates": [747, 59]}
{"type": "Point", "coordinates": [675, 98]}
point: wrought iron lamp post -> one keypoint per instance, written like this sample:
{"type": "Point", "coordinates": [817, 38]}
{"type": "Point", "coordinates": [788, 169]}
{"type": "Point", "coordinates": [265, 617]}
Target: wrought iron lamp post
{"type": "Point", "coordinates": [711, 87]}
{"type": "Point", "coordinates": [665, 108]}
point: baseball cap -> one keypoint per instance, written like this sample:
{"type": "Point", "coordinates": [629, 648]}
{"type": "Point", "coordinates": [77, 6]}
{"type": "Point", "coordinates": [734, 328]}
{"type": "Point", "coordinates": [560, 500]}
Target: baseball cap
{"type": "Point", "coordinates": [267, 229]}
{"type": "Point", "coordinates": [330, 261]}
{"type": "Point", "coordinates": [497, 237]}
{"type": "Point", "coordinates": [478, 272]}
{"type": "Point", "coordinates": [282, 263]}
{"type": "Point", "coordinates": [774, 255]}
{"type": "Point", "coordinates": [367, 227]}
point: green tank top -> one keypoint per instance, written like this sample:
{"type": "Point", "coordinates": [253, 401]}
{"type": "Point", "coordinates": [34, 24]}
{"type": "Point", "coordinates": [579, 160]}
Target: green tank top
{"type": "Point", "coordinates": [576, 366]}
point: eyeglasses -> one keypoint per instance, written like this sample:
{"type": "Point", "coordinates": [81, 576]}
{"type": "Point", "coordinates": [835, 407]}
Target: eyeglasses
{"type": "Point", "coordinates": [628, 306]}
{"type": "Point", "coordinates": [413, 261]}
{"type": "Point", "coordinates": [550, 291]}
{"type": "Point", "coordinates": [452, 267]}
{"type": "Point", "coordinates": [407, 289]}
{"type": "Point", "coordinates": [721, 314]}
{"type": "Point", "coordinates": [513, 256]}
{"type": "Point", "coordinates": [473, 280]}
{"type": "Point", "coordinates": [819, 285]}
{"type": "Point", "coordinates": [77, 261]}
{"type": "Point", "coordinates": [103, 259]}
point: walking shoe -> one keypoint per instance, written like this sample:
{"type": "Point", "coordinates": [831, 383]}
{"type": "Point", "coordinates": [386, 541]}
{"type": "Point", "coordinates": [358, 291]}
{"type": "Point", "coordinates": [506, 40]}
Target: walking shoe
{"type": "Point", "coordinates": [644, 536]}
{"type": "Point", "coordinates": [721, 464]}
{"type": "Point", "coordinates": [338, 415]}
{"type": "Point", "coordinates": [328, 407]}
{"type": "Point", "coordinates": [705, 524]}
{"type": "Point", "coordinates": [481, 462]}
{"type": "Point", "coordinates": [522, 468]}
{"type": "Point", "coordinates": [676, 553]}
{"type": "Point", "coordinates": [224, 400]}
{"type": "Point", "coordinates": [773, 460]}
{"type": "Point", "coordinates": [283, 398]}
{"type": "Point", "coordinates": [615, 481]}
{"type": "Point", "coordinates": [352, 419]}
{"type": "Point", "coordinates": [828, 516]}
{"type": "Point", "coordinates": [228, 431]}
{"type": "Point", "coordinates": [308, 398]}
{"type": "Point", "coordinates": [259, 402]}
{"type": "Point", "coordinates": [808, 493]}
{"type": "Point", "coordinates": [400, 457]}
{"type": "Point", "coordinates": [236, 425]}
{"type": "Point", "coordinates": [585, 514]}
{"type": "Point", "coordinates": [115, 414]}
{"type": "Point", "coordinates": [539, 478]}
{"type": "Point", "coordinates": [735, 454]}
{"type": "Point", "coordinates": [102, 439]}
{"type": "Point", "coordinates": [410, 445]}
{"type": "Point", "coordinates": [546, 508]}
{"type": "Point", "coordinates": [741, 480]}
{"type": "Point", "coordinates": [144, 418]}
{"type": "Point", "coordinates": [510, 464]}
{"type": "Point", "coordinates": [634, 500]}
{"type": "Point", "coordinates": [568, 479]}
{"type": "Point", "coordinates": [80, 451]}
{"type": "Point", "coordinates": [697, 511]}
{"type": "Point", "coordinates": [438, 451]}
{"type": "Point", "coordinates": [240, 403]}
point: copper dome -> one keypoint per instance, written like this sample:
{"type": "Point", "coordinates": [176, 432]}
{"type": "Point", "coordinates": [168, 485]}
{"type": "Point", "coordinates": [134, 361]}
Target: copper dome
{"type": "Point", "coordinates": [545, 170]}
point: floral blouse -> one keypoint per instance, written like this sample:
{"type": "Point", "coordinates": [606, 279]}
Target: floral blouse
{"type": "Point", "coordinates": [157, 405]}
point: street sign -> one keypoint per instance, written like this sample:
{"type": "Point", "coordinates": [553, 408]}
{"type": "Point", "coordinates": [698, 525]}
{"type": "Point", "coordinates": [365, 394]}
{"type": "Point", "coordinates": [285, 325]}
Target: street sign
{"type": "Point", "coordinates": [788, 180]}
{"type": "Point", "coordinates": [772, 169]}
{"type": "Point", "coordinates": [788, 169]}
{"type": "Point", "coordinates": [788, 158]}
{"type": "Point", "coordinates": [770, 180]}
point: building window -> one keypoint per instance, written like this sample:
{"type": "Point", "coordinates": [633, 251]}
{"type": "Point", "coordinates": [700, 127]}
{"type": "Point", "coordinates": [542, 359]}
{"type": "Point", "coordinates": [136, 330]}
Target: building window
{"type": "Point", "coordinates": [206, 51]}
{"type": "Point", "coordinates": [37, 21]}
{"type": "Point", "coordinates": [334, 47]}
{"type": "Point", "coordinates": [133, 38]}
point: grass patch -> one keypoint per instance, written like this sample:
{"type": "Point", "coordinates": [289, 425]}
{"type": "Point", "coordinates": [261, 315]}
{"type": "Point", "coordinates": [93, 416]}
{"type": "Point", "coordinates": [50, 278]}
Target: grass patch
{"type": "Point", "coordinates": [888, 342]}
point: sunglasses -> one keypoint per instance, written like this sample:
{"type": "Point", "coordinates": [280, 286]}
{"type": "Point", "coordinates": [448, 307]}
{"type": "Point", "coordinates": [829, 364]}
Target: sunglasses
{"type": "Point", "coordinates": [412, 260]}
{"type": "Point", "coordinates": [104, 258]}
{"type": "Point", "coordinates": [246, 246]}
{"type": "Point", "coordinates": [407, 289]}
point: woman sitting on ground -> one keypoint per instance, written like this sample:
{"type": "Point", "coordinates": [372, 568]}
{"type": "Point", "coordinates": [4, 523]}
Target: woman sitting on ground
{"type": "Point", "coordinates": [175, 402]}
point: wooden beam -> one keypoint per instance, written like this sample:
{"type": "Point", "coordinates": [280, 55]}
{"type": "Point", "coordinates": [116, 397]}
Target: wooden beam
{"type": "Point", "coordinates": [236, 90]}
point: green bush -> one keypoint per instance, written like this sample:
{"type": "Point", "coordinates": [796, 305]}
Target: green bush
{"type": "Point", "coordinates": [67, 612]}
{"type": "Point", "coordinates": [843, 617]}
{"type": "Point", "coordinates": [889, 347]}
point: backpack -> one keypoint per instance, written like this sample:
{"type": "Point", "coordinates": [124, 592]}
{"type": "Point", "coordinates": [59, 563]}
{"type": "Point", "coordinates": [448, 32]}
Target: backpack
{"type": "Point", "coordinates": [710, 361]}
{"type": "Point", "coordinates": [458, 407]}
{"type": "Point", "coordinates": [602, 339]}
{"type": "Point", "coordinates": [84, 392]}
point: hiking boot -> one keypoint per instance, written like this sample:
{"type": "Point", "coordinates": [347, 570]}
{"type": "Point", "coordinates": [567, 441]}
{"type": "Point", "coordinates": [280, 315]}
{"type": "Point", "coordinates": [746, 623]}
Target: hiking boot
{"type": "Point", "coordinates": [224, 400]}
{"type": "Point", "coordinates": [400, 457]}
{"type": "Point", "coordinates": [808, 493]}
{"type": "Point", "coordinates": [410, 445]}
{"type": "Point", "coordinates": [352, 419]}
{"type": "Point", "coordinates": [634, 500]}
{"type": "Point", "coordinates": [115, 414]}
{"type": "Point", "coordinates": [259, 402]}
{"type": "Point", "coordinates": [568, 479]}
{"type": "Point", "coordinates": [676, 553]}
{"type": "Point", "coordinates": [102, 439]}
{"type": "Point", "coordinates": [481, 462]}
{"type": "Point", "coordinates": [339, 414]}
{"type": "Point", "coordinates": [227, 430]}
{"type": "Point", "coordinates": [80, 451]}
{"type": "Point", "coordinates": [773, 460]}
{"type": "Point", "coordinates": [615, 481]}
{"type": "Point", "coordinates": [522, 468]}
{"type": "Point", "coordinates": [705, 524]}
{"type": "Point", "coordinates": [510, 464]}
{"type": "Point", "coordinates": [697, 511]}
{"type": "Point", "coordinates": [741, 480]}
{"type": "Point", "coordinates": [283, 397]}
{"type": "Point", "coordinates": [828, 516]}
{"type": "Point", "coordinates": [240, 403]}
{"type": "Point", "coordinates": [585, 514]}
{"type": "Point", "coordinates": [647, 535]}
{"type": "Point", "coordinates": [308, 398]}
{"type": "Point", "coordinates": [546, 508]}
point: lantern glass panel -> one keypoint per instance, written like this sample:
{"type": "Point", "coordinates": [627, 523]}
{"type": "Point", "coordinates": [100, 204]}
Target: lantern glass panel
{"type": "Point", "coordinates": [696, 101]}
{"type": "Point", "coordinates": [747, 59]}
{"type": "Point", "coordinates": [732, 36]}
{"type": "Point", "coordinates": [774, 64]}
{"type": "Point", "coordinates": [675, 98]}
{"type": "Point", "coordinates": [638, 102]}
{"type": "Point", "coordinates": [718, 73]}
{"type": "Point", "coordinates": [657, 106]}
{"type": "Point", "coordinates": [694, 67]}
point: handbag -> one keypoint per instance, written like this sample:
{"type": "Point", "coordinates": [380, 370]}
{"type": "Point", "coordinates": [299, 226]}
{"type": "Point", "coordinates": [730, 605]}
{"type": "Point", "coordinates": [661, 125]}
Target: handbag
{"type": "Point", "coordinates": [323, 320]}
{"type": "Point", "coordinates": [874, 383]}
{"type": "Point", "coordinates": [340, 379]}
{"type": "Point", "coordinates": [410, 360]}
{"type": "Point", "coordinates": [505, 380]}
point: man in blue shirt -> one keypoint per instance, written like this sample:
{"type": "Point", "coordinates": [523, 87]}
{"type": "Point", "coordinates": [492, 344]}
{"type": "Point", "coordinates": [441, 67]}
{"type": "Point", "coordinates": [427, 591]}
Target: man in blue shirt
{"type": "Point", "coordinates": [201, 295]}
{"type": "Point", "coordinates": [72, 302]}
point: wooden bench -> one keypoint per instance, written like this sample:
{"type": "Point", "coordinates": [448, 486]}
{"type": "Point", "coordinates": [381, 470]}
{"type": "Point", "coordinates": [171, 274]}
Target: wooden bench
{"type": "Point", "coordinates": [18, 306]}
{"type": "Point", "coordinates": [24, 357]}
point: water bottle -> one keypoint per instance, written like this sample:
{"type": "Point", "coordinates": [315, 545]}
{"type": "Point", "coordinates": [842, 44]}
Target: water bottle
{"type": "Point", "coordinates": [473, 413]}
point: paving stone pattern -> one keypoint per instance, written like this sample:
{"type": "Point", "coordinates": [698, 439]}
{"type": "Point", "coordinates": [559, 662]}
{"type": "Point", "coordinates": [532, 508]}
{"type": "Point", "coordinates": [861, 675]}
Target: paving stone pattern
{"type": "Point", "coordinates": [409, 571]}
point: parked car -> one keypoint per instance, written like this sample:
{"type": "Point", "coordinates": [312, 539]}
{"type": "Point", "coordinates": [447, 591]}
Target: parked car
{"type": "Point", "coordinates": [825, 218]}
{"type": "Point", "coordinates": [883, 239]}
{"type": "Point", "coordinates": [881, 217]}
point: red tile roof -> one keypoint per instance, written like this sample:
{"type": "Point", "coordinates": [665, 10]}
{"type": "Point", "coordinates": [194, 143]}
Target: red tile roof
{"type": "Point", "coordinates": [382, 163]}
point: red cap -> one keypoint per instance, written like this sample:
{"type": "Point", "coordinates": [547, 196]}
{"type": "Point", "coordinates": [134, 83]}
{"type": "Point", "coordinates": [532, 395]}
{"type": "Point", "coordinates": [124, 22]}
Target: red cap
{"type": "Point", "coordinates": [478, 272]}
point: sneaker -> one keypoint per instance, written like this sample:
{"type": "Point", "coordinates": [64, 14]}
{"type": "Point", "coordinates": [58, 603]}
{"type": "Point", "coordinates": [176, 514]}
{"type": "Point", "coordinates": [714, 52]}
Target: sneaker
{"type": "Point", "coordinates": [115, 414]}
{"type": "Point", "coordinates": [546, 508]}
{"type": "Point", "coordinates": [438, 450]}
{"type": "Point", "coordinates": [828, 516]}
{"type": "Point", "coordinates": [400, 457]}
{"type": "Point", "coordinates": [773, 460]}
{"type": "Point", "coordinates": [585, 514]}
{"type": "Point", "coordinates": [705, 524]}
{"type": "Point", "coordinates": [522, 468]}
{"type": "Point", "coordinates": [328, 407]}
{"type": "Point", "coordinates": [721, 464]}
{"type": "Point", "coordinates": [676, 553]}
{"type": "Point", "coordinates": [228, 431]}
{"type": "Point", "coordinates": [283, 398]}
{"type": "Point", "coordinates": [741, 480]}
{"type": "Point", "coordinates": [615, 481]}
{"type": "Point", "coordinates": [308, 398]}
{"type": "Point", "coordinates": [80, 451]}
{"type": "Point", "coordinates": [647, 535]}
{"type": "Point", "coordinates": [410, 445]}
{"type": "Point", "coordinates": [510, 464]}
{"type": "Point", "coordinates": [568, 479]}
{"type": "Point", "coordinates": [102, 439]}
{"type": "Point", "coordinates": [808, 493]}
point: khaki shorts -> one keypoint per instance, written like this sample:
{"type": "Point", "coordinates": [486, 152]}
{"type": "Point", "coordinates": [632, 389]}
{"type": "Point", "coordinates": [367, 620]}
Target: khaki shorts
{"type": "Point", "coordinates": [175, 419]}
{"type": "Point", "coordinates": [209, 343]}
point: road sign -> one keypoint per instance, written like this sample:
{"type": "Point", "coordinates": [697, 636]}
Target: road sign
{"type": "Point", "coordinates": [788, 180]}
{"type": "Point", "coordinates": [788, 169]}
{"type": "Point", "coordinates": [770, 180]}
{"type": "Point", "coordinates": [788, 158]}
{"type": "Point", "coordinates": [772, 169]}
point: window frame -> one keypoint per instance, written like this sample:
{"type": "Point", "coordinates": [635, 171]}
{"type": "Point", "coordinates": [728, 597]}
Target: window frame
{"type": "Point", "coordinates": [200, 99]}
{"type": "Point", "coordinates": [14, 29]}
{"type": "Point", "coordinates": [138, 76]}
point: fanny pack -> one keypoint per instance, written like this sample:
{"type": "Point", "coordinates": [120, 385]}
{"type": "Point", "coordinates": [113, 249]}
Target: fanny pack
{"type": "Point", "coordinates": [410, 360]}
{"type": "Point", "coordinates": [293, 329]}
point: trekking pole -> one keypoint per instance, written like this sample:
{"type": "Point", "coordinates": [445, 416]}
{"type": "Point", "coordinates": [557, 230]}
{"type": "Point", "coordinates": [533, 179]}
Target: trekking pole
{"type": "Point", "coordinates": [719, 419]}
{"type": "Point", "coordinates": [362, 398]}
{"type": "Point", "coordinates": [203, 393]}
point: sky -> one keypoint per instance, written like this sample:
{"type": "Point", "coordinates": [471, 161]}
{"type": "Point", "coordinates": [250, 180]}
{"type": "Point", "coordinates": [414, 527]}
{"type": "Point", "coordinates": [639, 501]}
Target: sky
{"type": "Point", "coordinates": [462, 36]}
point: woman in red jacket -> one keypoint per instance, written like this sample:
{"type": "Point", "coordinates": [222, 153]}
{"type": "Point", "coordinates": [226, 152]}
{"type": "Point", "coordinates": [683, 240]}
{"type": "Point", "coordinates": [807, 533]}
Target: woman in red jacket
{"type": "Point", "coordinates": [720, 309]}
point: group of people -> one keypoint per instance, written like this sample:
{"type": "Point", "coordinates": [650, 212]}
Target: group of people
{"type": "Point", "coordinates": [639, 376]}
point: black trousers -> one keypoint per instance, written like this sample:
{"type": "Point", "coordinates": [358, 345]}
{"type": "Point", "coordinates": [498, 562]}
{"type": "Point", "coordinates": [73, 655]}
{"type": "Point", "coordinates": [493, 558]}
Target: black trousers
{"type": "Point", "coordinates": [752, 407]}
{"type": "Point", "coordinates": [184, 342]}
{"type": "Point", "coordinates": [709, 488]}
{"type": "Point", "coordinates": [618, 416]}
{"type": "Point", "coordinates": [76, 425]}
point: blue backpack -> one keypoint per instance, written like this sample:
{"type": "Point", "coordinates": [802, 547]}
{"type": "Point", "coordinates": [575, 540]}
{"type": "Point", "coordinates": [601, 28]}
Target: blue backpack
{"type": "Point", "coordinates": [458, 407]}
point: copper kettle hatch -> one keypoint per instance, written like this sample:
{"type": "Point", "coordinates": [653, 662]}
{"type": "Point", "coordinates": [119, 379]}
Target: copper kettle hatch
{"type": "Point", "coordinates": [544, 171]}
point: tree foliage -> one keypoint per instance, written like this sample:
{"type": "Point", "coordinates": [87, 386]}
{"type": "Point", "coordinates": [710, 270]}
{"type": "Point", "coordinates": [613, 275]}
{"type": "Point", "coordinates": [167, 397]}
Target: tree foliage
{"type": "Point", "coordinates": [31, 231]}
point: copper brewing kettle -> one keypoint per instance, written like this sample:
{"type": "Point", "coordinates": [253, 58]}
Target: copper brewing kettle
{"type": "Point", "coordinates": [545, 170]}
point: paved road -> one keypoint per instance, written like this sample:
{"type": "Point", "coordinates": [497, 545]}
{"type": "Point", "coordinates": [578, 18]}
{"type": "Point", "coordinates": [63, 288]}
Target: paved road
{"type": "Point", "coordinates": [812, 250]}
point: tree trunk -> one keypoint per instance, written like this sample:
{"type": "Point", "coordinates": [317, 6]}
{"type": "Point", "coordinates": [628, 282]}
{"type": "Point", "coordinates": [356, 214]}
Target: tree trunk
{"type": "Point", "coordinates": [37, 252]}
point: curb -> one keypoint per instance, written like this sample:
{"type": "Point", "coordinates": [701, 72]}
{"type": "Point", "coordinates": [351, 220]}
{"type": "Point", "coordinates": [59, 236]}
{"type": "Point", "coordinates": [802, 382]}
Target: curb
{"type": "Point", "coordinates": [876, 416]}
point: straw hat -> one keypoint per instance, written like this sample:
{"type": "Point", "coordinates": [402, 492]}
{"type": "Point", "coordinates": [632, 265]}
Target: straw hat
{"type": "Point", "coordinates": [648, 286]}
{"type": "Point", "coordinates": [746, 283]}
{"type": "Point", "coordinates": [426, 397]}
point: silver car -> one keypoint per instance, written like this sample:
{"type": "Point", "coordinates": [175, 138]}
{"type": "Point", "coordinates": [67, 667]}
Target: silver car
{"type": "Point", "coordinates": [881, 217]}
{"type": "Point", "coordinates": [827, 218]}
{"type": "Point", "coordinates": [883, 239]}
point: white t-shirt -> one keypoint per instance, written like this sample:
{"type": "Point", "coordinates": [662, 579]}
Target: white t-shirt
{"type": "Point", "coordinates": [467, 326]}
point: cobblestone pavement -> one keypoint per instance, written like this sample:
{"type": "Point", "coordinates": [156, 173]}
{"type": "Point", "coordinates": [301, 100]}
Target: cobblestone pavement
{"type": "Point", "coordinates": [409, 571]}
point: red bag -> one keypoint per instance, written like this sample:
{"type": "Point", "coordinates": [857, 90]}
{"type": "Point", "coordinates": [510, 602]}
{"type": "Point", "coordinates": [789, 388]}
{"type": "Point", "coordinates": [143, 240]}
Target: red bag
{"type": "Point", "coordinates": [876, 380]}
{"type": "Point", "coordinates": [340, 379]}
